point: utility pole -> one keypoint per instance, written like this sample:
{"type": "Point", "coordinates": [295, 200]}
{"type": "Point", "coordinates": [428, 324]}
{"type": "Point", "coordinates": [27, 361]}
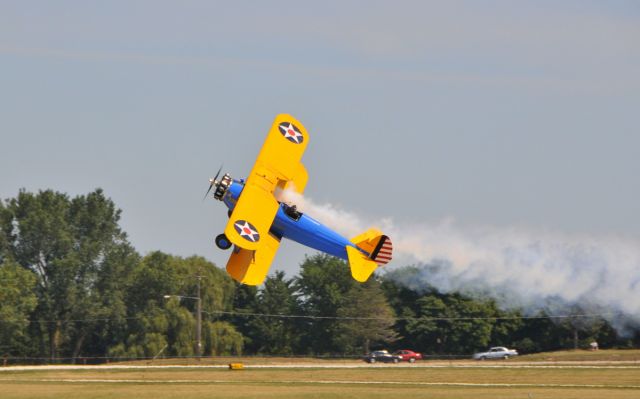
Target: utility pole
{"type": "Point", "coordinates": [199, 322]}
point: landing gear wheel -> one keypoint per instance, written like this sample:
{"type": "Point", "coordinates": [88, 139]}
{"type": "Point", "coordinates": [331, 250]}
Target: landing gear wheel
{"type": "Point", "coordinates": [222, 241]}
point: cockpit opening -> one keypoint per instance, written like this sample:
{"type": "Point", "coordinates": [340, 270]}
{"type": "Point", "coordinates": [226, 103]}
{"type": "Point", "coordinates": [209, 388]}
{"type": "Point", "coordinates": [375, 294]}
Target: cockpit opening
{"type": "Point", "coordinates": [292, 211]}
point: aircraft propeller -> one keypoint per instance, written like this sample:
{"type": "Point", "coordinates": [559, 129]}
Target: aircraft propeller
{"type": "Point", "coordinates": [212, 182]}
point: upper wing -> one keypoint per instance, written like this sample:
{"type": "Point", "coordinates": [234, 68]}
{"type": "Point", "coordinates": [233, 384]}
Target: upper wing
{"type": "Point", "coordinates": [277, 167]}
{"type": "Point", "coordinates": [283, 149]}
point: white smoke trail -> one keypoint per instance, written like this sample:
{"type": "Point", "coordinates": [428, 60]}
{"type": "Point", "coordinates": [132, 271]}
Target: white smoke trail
{"type": "Point", "coordinates": [523, 268]}
{"type": "Point", "coordinates": [344, 222]}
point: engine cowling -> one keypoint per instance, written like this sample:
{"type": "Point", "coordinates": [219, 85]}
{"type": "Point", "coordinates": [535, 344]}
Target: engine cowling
{"type": "Point", "coordinates": [222, 186]}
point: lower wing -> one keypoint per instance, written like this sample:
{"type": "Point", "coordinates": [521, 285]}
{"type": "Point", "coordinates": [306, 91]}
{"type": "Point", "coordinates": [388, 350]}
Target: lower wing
{"type": "Point", "coordinates": [251, 266]}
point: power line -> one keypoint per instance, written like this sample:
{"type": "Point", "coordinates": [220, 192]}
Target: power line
{"type": "Point", "coordinates": [87, 320]}
{"type": "Point", "coordinates": [312, 317]}
{"type": "Point", "coordinates": [437, 318]}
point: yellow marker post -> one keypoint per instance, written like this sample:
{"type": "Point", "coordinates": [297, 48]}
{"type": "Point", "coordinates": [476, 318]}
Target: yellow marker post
{"type": "Point", "coordinates": [236, 366]}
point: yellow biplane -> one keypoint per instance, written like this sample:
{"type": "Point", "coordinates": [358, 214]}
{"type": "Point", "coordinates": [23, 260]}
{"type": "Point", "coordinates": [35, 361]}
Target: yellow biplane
{"type": "Point", "coordinates": [258, 221]}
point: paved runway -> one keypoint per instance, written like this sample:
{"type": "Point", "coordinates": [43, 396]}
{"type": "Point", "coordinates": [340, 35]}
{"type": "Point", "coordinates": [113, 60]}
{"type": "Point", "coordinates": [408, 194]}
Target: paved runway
{"type": "Point", "coordinates": [342, 365]}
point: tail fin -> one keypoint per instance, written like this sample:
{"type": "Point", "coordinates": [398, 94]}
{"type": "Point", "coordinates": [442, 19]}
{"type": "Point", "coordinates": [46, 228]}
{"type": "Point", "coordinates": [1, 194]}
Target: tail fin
{"type": "Point", "coordinates": [378, 246]}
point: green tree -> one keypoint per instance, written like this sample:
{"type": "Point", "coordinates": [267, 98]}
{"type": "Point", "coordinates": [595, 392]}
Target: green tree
{"type": "Point", "coordinates": [65, 243]}
{"type": "Point", "coordinates": [172, 321]}
{"type": "Point", "coordinates": [506, 326]}
{"type": "Point", "coordinates": [368, 318]}
{"type": "Point", "coordinates": [434, 322]}
{"type": "Point", "coordinates": [112, 287]}
{"type": "Point", "coordinates": [347, 316]}
{"type": "Point", "coordinates": [180, 329]}
{"type": "Point", "coordinates": [580, 327]}
{"type": "Point", "coordinates": [275, 335]}
{"type": "Point", "coordinates": [222, 338]}
{"type": "Point", "coordinates": [147, 336]}
{"type": "Point", "coordinates": [244, 302]}
{"type": "Point", "coordinates": [17, 302]}
{"type": "Point", "coordinates": [452, 324]}
{"type": "Point", "coordinates": [323, 283]}
{"type": "Point", "coordinates": [404, 301]}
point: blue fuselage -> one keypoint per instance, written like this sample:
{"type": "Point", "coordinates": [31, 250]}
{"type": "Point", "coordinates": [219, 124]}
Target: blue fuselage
{"type": "Point", "coordinates": [300, 228]}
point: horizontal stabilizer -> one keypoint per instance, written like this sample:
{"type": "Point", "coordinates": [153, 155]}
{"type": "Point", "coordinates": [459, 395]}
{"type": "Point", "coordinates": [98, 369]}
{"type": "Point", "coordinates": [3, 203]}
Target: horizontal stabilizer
{"type": "Point", "coordinates": [361, 266]}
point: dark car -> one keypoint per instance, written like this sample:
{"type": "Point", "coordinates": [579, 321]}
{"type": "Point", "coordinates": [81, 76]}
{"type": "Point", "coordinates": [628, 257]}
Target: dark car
{"type": "Point", "coordinates": [381, 356]}
{"type": "Point", "coordinates": [407, 355]}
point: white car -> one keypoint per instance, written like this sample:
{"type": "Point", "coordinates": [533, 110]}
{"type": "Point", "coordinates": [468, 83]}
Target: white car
{"type": "Point", "coordinates": [497, 352]}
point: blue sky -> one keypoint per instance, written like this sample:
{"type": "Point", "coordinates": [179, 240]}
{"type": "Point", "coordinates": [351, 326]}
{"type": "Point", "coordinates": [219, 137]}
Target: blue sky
{"type": "Point", "coordinates": [494, 113]}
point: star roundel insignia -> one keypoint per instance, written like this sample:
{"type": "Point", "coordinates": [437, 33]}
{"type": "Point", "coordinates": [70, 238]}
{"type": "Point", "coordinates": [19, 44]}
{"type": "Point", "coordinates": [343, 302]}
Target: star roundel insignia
{"type": "Point", "coordinates": [291, 132]}
{"type": "Point", "coordinates": [246, 230]}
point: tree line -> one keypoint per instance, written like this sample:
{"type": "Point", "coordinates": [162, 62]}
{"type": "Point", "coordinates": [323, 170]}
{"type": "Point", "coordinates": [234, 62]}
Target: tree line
{"type": "Point", "coordinates": [72, 286]}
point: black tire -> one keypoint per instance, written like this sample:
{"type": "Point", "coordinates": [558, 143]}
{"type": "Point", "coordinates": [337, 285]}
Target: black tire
{"type": "Point", "coordinates": [412, 360]}
{"type": "Point", "coordinates": [395, 360]}
{"type": "Point", "coordinates": [505, 357]}
{"type": "Point", "coordinates": [372, 360]}
{"type": "Point", "coordinates": [222, 241]}
{"type": "Point", "coordinates": [483, 358]}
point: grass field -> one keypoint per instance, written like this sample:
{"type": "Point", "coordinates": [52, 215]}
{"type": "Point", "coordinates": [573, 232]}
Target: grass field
{"type": "Point", "coordinates": [583, 377]}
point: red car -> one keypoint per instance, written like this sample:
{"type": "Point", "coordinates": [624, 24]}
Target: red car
{"type": "Point", "coordinates": [407, 355]}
